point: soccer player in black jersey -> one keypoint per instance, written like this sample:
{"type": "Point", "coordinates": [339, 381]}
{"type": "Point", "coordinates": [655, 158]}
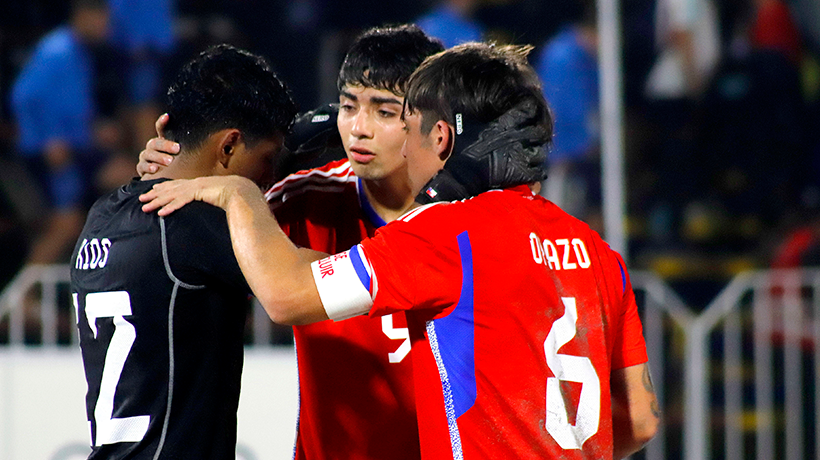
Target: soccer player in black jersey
{"type": "Point", "coordinates": [161, 302]}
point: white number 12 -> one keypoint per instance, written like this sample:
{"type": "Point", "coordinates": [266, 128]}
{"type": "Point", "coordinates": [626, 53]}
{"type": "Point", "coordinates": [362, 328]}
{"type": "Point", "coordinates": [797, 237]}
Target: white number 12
{"type": "Point", "coordinates": [573, 369]}
{"type": "Point", "coordinates": [116, 304]}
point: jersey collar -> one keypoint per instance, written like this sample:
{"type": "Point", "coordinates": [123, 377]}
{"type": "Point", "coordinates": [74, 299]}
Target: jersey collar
{"type": "Point", "coordinates": [367, 208]}
{"type": "Point", "coordinates": [522, 189]}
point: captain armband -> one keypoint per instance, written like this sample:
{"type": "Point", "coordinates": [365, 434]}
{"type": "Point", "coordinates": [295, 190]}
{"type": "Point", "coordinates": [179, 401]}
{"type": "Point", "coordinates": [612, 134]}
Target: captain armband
{"type": "Point", "coordinates": [343, 281]}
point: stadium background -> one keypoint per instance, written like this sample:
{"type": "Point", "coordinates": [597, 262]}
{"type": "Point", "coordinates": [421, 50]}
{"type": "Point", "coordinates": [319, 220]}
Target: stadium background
{"type": "Point", "coordinates": [749, 157]}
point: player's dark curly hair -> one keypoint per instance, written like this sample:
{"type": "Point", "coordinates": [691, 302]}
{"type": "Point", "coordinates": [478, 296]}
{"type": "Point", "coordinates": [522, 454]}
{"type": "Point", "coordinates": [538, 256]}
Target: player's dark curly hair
{"type": "Point", "coordinates": [384, 57]}
{"type": "Point", "coordinates": [480, 81]}
{"type": "Point", "coordinates": [225, 87]}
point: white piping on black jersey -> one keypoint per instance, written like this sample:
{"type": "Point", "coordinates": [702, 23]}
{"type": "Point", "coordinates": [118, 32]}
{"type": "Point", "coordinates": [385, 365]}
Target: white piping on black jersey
{"type": "Point", "coordinates": [177, 284]}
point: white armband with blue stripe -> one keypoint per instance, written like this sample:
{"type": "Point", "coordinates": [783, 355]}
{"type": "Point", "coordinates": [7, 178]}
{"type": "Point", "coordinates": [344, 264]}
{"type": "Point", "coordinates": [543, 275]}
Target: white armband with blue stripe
{"type": "Point", "coordinates": [343, 281]}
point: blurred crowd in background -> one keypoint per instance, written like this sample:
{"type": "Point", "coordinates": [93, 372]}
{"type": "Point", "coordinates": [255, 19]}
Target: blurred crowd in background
{"type": "Point", "coordinates": [722, 103]}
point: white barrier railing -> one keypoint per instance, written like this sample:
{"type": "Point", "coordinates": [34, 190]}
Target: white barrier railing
{"type": "Point", "coordinates": [13, 299]}
{"type": "Point", "coordinates": [48, 280]}
{"type": "Point", "coordinates": [757, 317]}
{"type": "Point", "coordinates": [775, 313]}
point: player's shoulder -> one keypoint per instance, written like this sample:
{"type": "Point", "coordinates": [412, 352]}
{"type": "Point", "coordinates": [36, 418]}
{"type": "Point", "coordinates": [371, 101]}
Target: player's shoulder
{"type": "Point", "coordinates": [58, 45]}
{"type": "Point", "coordinates": [196, 218]}
{"type": "Point", "coordinates": [444, 211]}
{"type": "Point", "coordinates": [492, 201]}
{"type": "Point", "coordinates": [424, 212]}
{"type": "Point", "coordinates": [331, 178]}
{"type": "Point", "coordinates": [119, 210]}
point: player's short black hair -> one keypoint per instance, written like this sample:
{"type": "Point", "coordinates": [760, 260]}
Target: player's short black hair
{"type": "Point", "coordinates": [226, 87]}
{"type": "Point", "coordinates": [479, 80]}
{"type": "Point", "coordinates": [385, 57]}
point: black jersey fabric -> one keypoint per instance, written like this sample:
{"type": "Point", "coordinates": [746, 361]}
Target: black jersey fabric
{"type": "Point", "coordinates": [161, 306]}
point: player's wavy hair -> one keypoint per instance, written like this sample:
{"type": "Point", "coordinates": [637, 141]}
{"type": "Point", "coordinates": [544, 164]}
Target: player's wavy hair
{"type": "Point", "coordinates": [226, 87]}
{"type": "Point", "coordinates": [479, 80]}
{"type": "Point", "coordinates": [385, 57]}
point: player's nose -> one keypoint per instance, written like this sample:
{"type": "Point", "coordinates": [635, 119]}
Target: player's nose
{"type": "Point", "coordinates": [361, 125]}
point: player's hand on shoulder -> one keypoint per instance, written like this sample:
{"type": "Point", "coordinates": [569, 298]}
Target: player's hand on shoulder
{"type": "Point", "coordinates": [159, 152]}
{"type": "Point", "coordinates": [167, 197]}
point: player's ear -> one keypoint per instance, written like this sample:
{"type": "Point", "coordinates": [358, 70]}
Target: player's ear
{"type": "Point", "coordinates": [228, 141]}
{"type": "Point", "coordinates": [442, 136]}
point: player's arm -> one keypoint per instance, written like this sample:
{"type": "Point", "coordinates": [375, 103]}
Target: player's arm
{"type": "Point", "coordinates": [278, 273]}
{"type": "Point", "coordinates": [635, 409]}
{"type": "Point", "coordinates": [159, 152]}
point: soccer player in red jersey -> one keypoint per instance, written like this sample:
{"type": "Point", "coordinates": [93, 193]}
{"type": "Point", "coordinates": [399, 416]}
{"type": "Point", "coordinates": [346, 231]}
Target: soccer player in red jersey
{"type": "Point", "coordinates": [356, 375]}
{"type": "Point", "coordinates": [526, 337]}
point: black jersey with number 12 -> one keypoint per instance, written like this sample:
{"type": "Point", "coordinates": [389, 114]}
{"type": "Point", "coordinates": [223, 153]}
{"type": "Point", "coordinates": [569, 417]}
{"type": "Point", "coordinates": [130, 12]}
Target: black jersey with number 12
{"type": "Point", "coordinates": [161, 306]}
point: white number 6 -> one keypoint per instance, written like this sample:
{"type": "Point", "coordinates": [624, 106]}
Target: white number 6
{"type": "Point", "coordinates": [573, 369]}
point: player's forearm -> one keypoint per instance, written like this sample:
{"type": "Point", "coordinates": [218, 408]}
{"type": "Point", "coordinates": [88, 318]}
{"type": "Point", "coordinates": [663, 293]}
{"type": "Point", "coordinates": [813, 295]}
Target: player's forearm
{"type": "Point", "coordinates": [635, 409]}
{"type": "Point", "coordinates": [278, 273]}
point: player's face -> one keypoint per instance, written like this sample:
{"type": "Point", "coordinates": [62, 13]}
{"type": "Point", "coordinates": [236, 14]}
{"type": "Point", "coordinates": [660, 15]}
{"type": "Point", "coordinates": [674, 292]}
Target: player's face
{"type": "Point", "coordinates": [372, 131]}
{"type": "Point", "coordinates": [423, 158]}
{"type": "Point", "coordinates": [256, 162]}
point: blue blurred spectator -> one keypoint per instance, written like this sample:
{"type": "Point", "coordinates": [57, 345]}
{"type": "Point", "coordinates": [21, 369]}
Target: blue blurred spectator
{"type": "Point", "coordinates": [568, 67]}
{"type": "Point", "coordinates": [53, 104]}
{"type": "Point", "coordinates": [452, 22]}
{"type": "Point", "coordinates": [143, 31]}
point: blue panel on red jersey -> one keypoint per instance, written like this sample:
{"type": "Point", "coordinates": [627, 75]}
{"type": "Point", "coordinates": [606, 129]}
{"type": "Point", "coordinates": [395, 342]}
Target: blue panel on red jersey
{"type": "Point", "coordinates": [358, 265]}
{"type": "Point", "coordinates": [455, 334]}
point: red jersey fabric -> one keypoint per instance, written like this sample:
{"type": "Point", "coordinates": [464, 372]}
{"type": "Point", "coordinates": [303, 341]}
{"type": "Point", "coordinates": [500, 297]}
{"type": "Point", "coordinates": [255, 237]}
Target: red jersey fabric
{"type": "Point", "coordinates": [355, 378]}
{"type": "Point", "coordinates": [518, 312]}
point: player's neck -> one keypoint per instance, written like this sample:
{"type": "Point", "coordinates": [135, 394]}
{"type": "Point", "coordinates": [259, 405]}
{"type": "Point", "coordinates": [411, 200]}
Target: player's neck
{"type": "Point", "coordinates": [389, 198]}
{"type": "Point", "coordinates": [183, 168]}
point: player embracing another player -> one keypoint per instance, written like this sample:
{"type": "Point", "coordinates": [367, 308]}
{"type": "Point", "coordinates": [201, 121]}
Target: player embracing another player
{"type": "Point", "coordinates": [356, 374]}
{"type": "Point", "coordinates": [526, 336]}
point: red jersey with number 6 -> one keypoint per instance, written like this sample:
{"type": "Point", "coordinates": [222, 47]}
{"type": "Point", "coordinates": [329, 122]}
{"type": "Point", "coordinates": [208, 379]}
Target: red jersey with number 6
{"type": "Point", "coordinates": [518, 313]}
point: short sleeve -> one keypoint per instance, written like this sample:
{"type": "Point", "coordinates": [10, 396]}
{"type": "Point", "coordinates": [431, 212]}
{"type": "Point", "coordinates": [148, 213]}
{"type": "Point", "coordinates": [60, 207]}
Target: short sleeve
{"type": "Point", "coordinates": [200, 249]}
{"type": "Point", "coordinates": [405, 266]}
{"type": "Point", "coordinates": [629, 346]}
{"type": "Point", "coordinates": [416, 265]}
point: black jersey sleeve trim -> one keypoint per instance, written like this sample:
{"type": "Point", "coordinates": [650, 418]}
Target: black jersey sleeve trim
{"type": "Point", "coordinates": [168, 270]}
{"type": "Point", "coordinates": [171, 365]}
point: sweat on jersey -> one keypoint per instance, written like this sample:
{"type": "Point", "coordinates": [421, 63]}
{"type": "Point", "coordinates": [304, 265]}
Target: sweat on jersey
{"type": "Point", "coordinates": [518, 313]}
